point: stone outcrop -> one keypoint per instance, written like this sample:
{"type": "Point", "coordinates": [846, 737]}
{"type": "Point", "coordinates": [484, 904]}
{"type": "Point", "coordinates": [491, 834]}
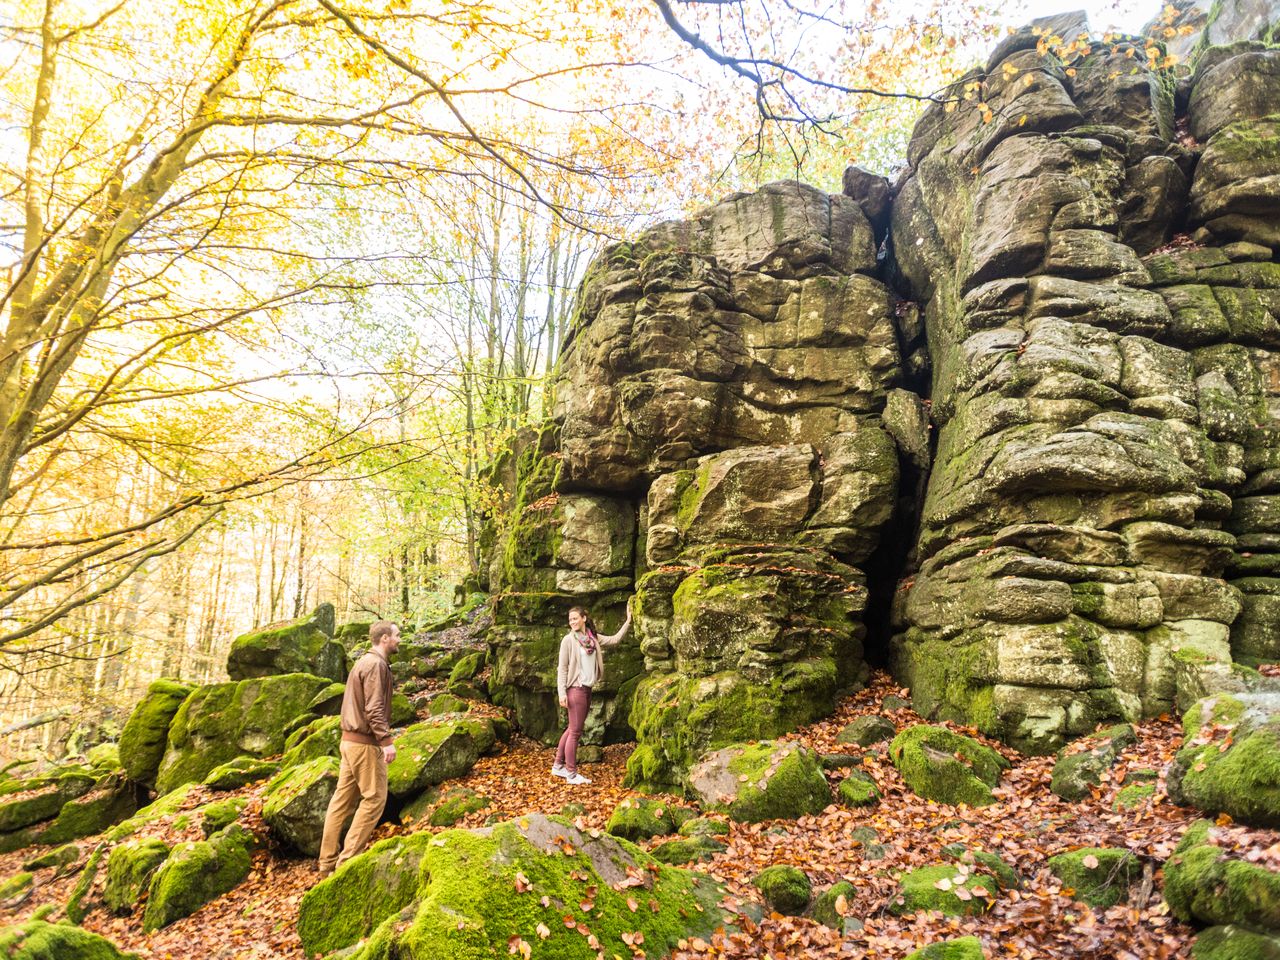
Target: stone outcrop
{"type": "Point", "coordinates": [1032, 382]}
{"type": "Point", "coordinates": [1101, 495]}
{"type": "Point", "coordinates": [426, 895]}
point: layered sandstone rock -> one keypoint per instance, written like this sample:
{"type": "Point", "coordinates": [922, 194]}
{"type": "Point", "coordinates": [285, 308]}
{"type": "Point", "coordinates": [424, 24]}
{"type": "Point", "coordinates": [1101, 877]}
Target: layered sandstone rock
{"type": "Point", "coordinates": [1101, 495]}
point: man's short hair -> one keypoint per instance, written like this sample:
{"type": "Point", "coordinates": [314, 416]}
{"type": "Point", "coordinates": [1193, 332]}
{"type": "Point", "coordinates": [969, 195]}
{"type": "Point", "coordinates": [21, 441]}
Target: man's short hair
{"type": "Point", "coordinates": [379, 629]}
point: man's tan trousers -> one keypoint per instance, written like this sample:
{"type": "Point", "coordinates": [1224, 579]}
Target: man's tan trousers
{"type": "Point", "coordinates": [362, 779]}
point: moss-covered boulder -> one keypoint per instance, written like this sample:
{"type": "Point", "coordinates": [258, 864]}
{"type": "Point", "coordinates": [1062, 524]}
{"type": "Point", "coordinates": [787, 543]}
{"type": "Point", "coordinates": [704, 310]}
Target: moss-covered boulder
{"type": "Point", "coordinates": [222, 721]}
{"type": "Point", "coordinates": [641, 818]}
{"type": "Point", "coordinates": [953, 889]}
{"type": "Point", "coordinates": [305, 645]}
{"type": "Point", "coordinates": [1005, 875]}
{"type": "Point", "coordinates": [434, 751]}
{"type": "Point", "coordinates": [319, 738]}
{"type": "Point", "coordinates": [112, 799]}
{"type": "Point", "coordinates": [236, 773]}
{"type": "Point", "coordinates": [146, 732]}
{"type": "Point", "coordinates": [364, 892]}
{"type": "Point", "coordinates": [455, 804]}
{"type": "Point", "coordinates": [216, 815]}
{"type": "Point", "coordinates": [832, 904]}
{"type": "Point", "coordinates": [169, 805]}
{"type": "Point", "coordinates": [1099, 876]}
{"type": "Point", "coordinates": [196, 873]}
{"type": "Point", "coordinates": [762, 781]}
{"type": "Point", "coordinates": [15, 886]}
{"type": "Point", "coordinates": [949, 767]}
{"type": "Point", "coordinates": [1235, 943]}
{"type": "Point", "coordinates": [868, 730]}
{"type": "Point", "coordinates": [1081, 764]}
{"type": "Point", "coordinates": [130, 866]}
{"type": "Point", "coordinates": [704, 827]}
{"type": "Point", "coordinates": [858, 789]}
{"type": "Point", "coordinates": [468, 668]}
{"type": "Point", "coordinates": [40, 940]}
{"type": "Point", "coordinates": [25, 802]}
{"type": "Point", "coordinates": [785, 889]}
{"type": "Point", "coordinates": [962, 948]}
{"type": "Point", "coordinates": [443, 703]}
{"type": "Point", "coordinates": [402, 710]}
{"type": "Point", "coordinates": [688, 849]}
{"type": "Point", "coordinates": [1212, 884]}
{"type": "Point", "coordinates": [440, 896]}
{"type": "Point", "coordinates": [1230, 759]}
{"type": "Point", "coordinates": [57, 858]}
{"type": "Point", "coordinates": [1133, 795]}
{"type": "Point", "coordinates": [295, 801]}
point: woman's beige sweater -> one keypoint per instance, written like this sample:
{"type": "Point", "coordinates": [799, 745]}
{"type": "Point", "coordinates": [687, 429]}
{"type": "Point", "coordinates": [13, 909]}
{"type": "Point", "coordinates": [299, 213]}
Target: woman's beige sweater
{"type": "Point", "coordinates": [568, 672]}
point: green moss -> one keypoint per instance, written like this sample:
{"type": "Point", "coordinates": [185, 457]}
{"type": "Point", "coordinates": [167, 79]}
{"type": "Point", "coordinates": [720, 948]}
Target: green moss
{"type": "Point", "coordinates": [938, 764]}
{"type": "Point", "coordinates": [868, 730]}
{"type": "Point", "coordinates": [824, 908]}
{"type": "Point", "coordinates": [786, 889]}
{"type": "Point", "coordinates": [320, 738]}
{"type": "Point", "coordinates": [1204, 883]}
{"type": "Point", "coordinates": [129, 869]}
{"type": "Point", "coordinates": [962, 948]}
{"type": "Point", "coordinates": [49, 797]}
{"type": "Point", "coordinates": [443, 703]}
{"type": "Point", "coordinates": [111, 800]}
{"type": "Point", "coordinates": [782, 781]}
{"type": "Point", "coordinates": [168, 805]}
{"type": "Point", "coordinates": [1222, 710]}
{"type": "Point", "coordinates": [16, 885]}
{"type": "Point", "coordinates": [367, 889]}
{"type": "Point", "coordinates": [38, 940]}
{"type": "Point", "coordinates": [76, 909]}
{"type": "Point", "coordinates": [467, 668]}
{"type": "Point", "coordinates": [196, 873]}
{"type": "Point", "coordinates": [1235, 943]}
{"type": "Point", "coordinates": [678, 719]}
{"type": "Point", "coordinates": [454, 914]}
{"type": "Point", "coordinates": [222, 721]}
{"type": "Point", "coordinates": [59, 858]}
{"type": "Point", "coordinates": [305, 645]}
{"type": "Point", "coordinates": [640, 818]}
{"type": "Point", "coordinates": [1078, 771]}
{"type": "Point", "coordinates": [456, 805]}
{"type": "Point", "coordinates": [221, 813]}
{"type": "Point", "coordinates": [858, 789]}
{"type": "Point", "coordinates": [1133, 795]}
{"type": "Point", "coordinates": [146, 732]}
{"type": "Point", "coordinates": [432, 752]}
{"type": "Point", "coordinates": [920, 890]}
{"type": "Point", "coordinates": [1243, 780]}
{"type": "Point", "coordinates": [704, 827]}
{"type": "Point", "coordinates": [1099, 876]}
{"type": "Point", "coordinates": [239, 772]}
{"type": "Point", "coordinates": [687, 850]}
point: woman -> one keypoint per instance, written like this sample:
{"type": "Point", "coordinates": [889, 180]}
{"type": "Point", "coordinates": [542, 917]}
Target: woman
{"type": "Point", "coordinates": [581, 667]}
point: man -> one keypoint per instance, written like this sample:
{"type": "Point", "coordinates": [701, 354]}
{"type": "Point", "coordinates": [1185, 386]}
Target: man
{"type": "Point", "coordinates": [366, 750]}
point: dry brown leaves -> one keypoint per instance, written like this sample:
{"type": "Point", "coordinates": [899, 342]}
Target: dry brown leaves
{"type": "Point", "coordinates": [1025, 827]}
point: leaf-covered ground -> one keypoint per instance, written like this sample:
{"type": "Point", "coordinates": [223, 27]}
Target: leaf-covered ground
{"type": "Point", "coordinates": [1026, 827]}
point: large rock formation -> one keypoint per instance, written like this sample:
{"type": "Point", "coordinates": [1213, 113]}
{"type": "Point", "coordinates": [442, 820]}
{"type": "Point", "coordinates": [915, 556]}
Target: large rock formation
{"type": "Point", "coordinates": [718, 447]}
{"type": "Point", "coordinates": [1033, 383]}
{"type": "Point", "coordinates": [1105, 469]}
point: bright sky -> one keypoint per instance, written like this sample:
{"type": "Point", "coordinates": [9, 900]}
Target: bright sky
{"type": "Point", "coordinates": [1122, 15]}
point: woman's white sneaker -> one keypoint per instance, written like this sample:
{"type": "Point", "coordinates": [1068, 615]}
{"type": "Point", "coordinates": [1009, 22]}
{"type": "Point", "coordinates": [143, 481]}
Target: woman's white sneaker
{"type": "Point", "coordinates": [558, 771]}
{"type": "Point", "coordinates": [576, 779]}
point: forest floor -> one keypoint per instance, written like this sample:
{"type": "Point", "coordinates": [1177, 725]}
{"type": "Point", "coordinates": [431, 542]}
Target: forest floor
{"type": "Point", "coordinates": [1025, 827]}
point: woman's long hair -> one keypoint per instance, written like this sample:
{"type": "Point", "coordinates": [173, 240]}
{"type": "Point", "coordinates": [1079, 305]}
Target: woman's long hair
{"type": "Point", "coordinates": [590, 624]}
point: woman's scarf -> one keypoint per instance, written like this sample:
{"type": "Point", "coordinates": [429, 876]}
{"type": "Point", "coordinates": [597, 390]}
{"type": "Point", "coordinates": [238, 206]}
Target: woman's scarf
{"type": "Point", "coordinates": [587, 639]}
